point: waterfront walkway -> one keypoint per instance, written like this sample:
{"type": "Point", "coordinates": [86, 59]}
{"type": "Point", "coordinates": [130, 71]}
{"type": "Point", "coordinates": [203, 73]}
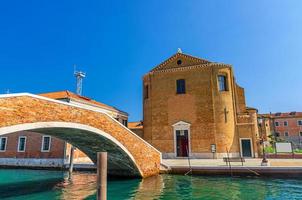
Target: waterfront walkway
{"type": "Point", "coordinates": [254, 162]}
{"type": "Point", "coordinates": [281, 167]}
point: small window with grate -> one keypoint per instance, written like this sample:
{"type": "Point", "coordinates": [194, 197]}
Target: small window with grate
{"type": "Point", "coordinates": [180, 86]}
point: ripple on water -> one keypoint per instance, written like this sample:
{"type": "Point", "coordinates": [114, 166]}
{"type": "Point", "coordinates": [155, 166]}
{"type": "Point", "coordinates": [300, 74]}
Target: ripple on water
{"type": "Point", "coordinates": [37, 184]}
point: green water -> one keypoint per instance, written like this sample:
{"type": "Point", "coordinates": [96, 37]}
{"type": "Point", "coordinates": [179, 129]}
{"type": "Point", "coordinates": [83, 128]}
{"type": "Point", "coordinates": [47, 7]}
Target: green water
{"type": "Point", "coordinates": [36, 184]}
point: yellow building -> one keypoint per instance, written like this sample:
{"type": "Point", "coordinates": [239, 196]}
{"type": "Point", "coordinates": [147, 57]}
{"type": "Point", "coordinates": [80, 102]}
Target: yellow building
{"type": "Point", "coordinates": [193, 107]}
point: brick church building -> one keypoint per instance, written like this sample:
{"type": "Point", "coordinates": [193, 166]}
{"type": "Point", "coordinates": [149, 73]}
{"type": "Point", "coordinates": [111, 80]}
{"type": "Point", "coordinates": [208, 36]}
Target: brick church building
{"type": "Point", "coordinates": [194, 107]}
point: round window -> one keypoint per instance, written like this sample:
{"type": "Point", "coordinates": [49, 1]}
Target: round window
{"type": "Point", "coordinates": [179, 62]}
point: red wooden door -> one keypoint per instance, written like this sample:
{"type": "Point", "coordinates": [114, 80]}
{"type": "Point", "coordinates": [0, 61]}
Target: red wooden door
{"type": "Point", "coordinates": [182, 143]}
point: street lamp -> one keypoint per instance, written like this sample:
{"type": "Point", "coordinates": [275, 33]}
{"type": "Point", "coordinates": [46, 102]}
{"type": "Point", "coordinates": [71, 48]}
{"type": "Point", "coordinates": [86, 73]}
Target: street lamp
{"type": "Point", "coordinates": [264, 161]}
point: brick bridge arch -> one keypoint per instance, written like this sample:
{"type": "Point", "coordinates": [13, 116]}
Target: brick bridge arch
{"type": "Point", "coordinates": [89, 130]}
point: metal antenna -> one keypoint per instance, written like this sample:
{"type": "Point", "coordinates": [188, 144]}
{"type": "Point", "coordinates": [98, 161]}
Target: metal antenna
{"type": "Point", "coordinates": [79, 76]}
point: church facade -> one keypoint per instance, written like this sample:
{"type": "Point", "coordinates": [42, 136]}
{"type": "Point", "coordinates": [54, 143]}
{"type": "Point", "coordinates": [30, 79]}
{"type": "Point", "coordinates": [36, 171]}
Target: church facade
{"type": "Point", "coordinates": [194, 108]}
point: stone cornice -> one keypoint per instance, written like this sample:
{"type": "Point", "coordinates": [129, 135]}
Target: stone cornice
{"type": "Point", "coordinates": [189, 57]}
{"type": "Point", "coordinates": [190, 68]}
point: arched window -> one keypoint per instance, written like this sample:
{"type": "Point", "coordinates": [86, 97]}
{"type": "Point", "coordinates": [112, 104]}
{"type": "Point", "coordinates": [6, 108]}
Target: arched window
{"type": "Point", "coordinates": [222, 82]}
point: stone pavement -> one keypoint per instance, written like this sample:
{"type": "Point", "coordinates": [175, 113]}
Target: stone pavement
{"type": "Point", "coordinates": [252, 167]}
{"type": "Point", "coordinates": [252, 162]}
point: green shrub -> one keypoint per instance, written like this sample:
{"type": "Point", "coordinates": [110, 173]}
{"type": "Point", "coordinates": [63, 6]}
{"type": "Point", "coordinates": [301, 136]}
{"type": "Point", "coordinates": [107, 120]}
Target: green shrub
{"type": "Point", "coordinates": [298, 151]}
{"type": "Point", "coordinates": [269, 149]}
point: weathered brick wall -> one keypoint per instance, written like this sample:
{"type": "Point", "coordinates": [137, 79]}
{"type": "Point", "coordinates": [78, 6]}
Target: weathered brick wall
{"type": "Point", "coordinates": [78, 155]}
{"type": "Point", "coordinates": [165, 108]}
{"type": "Point", "coordinates": [33, 146]}
{"type": "Point", "coordinates": [58, 150]}
{"type": "Point", "coordinates": [27, 109]}
{"type": "Point", "coordinates": [292, 128]}
{"type": "Point", "coordinates": [139, 132]}
{"type": "Point", "coordinates": [225, 128]}
{"type": "Point", "coordinates": [241, 106]}
{"type": "Point", "coordinates": [266, 129]}
{"type": "Point", "coordinates": [244, 118]}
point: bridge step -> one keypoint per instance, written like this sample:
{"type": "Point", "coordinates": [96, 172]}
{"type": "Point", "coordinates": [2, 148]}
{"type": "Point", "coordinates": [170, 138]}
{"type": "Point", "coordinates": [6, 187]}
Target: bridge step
{"type": "Point", "coordinates": [164, 169]}
{"type": "Point", "coordinates": [81, 167]}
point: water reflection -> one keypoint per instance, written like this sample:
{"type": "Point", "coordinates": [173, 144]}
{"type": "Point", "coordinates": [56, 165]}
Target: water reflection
{"type": "Point", "coordinates": [80, 186]}
{"type": "Point", "coordinates": [27, 187]}
{"type": "Point", "coordinates": [30, 184]}
{"type": "Point", "coordinates": [150, 188]}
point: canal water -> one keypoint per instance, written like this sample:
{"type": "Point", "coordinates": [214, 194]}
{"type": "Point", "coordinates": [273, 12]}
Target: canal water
{"type": "Point", "coordinates": [41, 184]}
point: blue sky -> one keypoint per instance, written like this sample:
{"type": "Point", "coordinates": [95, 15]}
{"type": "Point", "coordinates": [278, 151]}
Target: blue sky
{"type": "Point", "coordinates": [116, 42]}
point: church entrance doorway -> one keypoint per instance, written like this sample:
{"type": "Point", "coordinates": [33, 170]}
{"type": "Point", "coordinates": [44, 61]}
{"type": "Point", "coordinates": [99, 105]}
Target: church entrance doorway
{"type": "Point", "coordinates": [182, 143]}
{"type": "Point", "coordinates": [246, 147]}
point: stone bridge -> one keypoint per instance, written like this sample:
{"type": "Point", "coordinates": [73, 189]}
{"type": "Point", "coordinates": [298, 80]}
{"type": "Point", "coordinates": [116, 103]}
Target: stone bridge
{"type": "Point", "coordinates": [89, 130]}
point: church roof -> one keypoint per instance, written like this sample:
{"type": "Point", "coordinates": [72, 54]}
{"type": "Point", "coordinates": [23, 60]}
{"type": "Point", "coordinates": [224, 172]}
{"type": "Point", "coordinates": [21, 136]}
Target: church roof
{"type": "Point", "coordinates": [180, 60]}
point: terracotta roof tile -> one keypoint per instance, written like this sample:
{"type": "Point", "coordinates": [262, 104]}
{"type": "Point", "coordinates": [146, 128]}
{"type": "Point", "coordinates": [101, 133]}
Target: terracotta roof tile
{"type": "Point", "coordinates": [282, 115]}
{"type": "Point", "coordinates": [70, 95]}
{"type": "Point", "coordinates": [135, 125]}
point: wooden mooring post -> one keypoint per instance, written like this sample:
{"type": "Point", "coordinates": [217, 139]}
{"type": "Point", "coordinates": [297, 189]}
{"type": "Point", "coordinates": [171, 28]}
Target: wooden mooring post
{"type": "Point", "coordinates": [102, 176]}
{"type": "Point", "coordinates": [70, 169]}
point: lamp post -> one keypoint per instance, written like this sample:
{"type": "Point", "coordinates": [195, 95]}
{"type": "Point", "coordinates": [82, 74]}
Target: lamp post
{"type": "Point", "coordinates": [264, 161]}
